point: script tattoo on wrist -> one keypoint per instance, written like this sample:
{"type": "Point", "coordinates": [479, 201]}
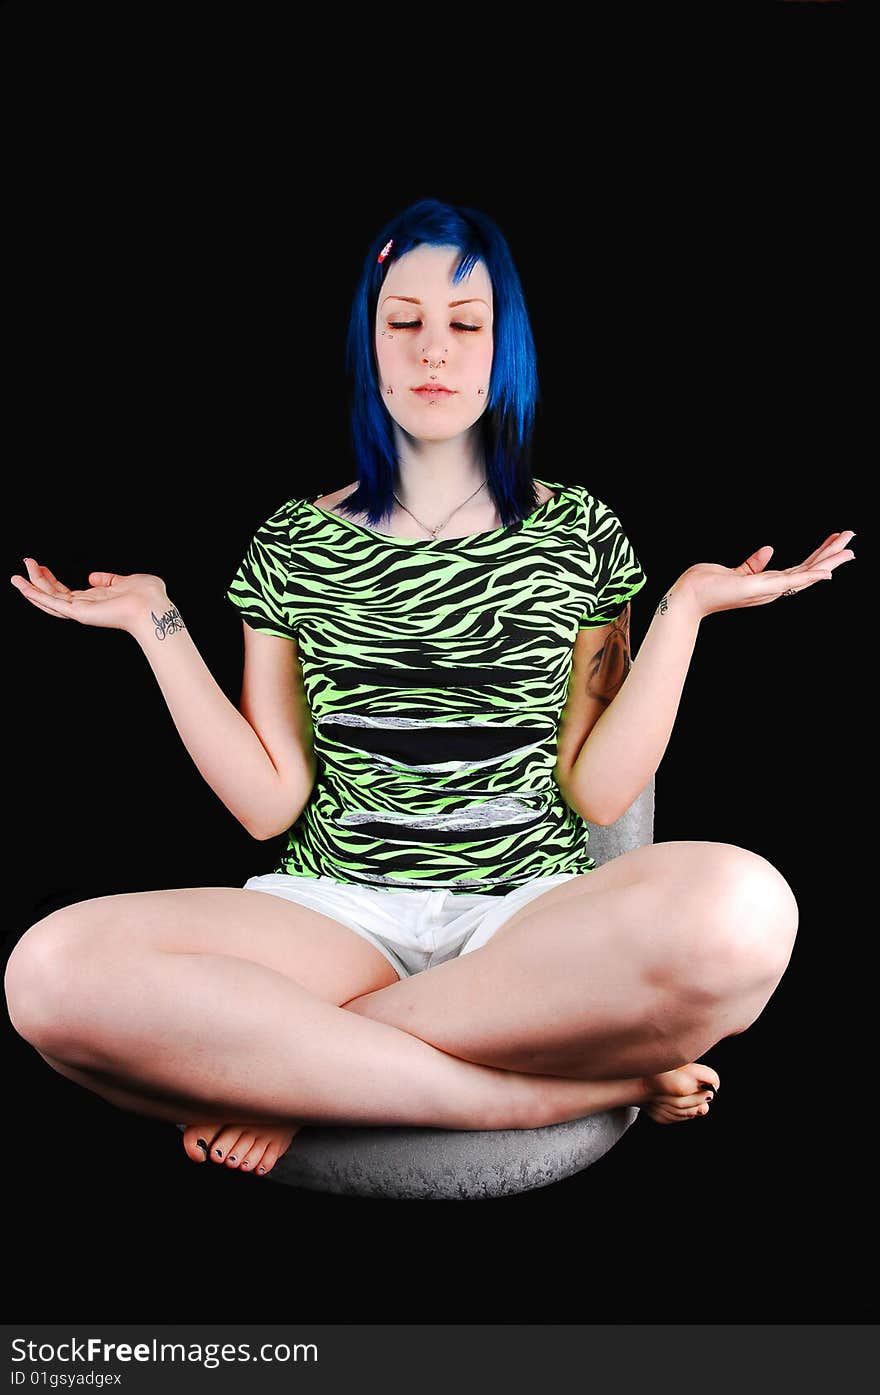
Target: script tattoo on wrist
{"type": "Point", "coordinates": [610, 665]}
{"type": "Point", "coordinates": [167, 624]}
{"type": "Point", "coordinates": [664, 604]}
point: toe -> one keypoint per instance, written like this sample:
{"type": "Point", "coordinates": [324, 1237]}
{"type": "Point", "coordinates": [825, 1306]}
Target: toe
{"type": "Point", "coordinates": [707, 1076]}
{"type": "Point", "coordinates": [268, 1160]}
{"type": "Point", "coordinates": [672, 1113]}
{"type": "Point", "coordinates": [690, 1110]}
{"type": "Point", "coordinates": [191, 1144]}
{"type": "Point", "coordinates": [253, 1155]}
{"type": "Point", "coordinates": [688, 1101]}
{"type": "Point", "coordinates": [276, 1147]}
{"type": "Point", "coordinates": [239, 1149]}
{"type": "Point", "coordinates": [264, 1163]}
{"type": "Point", "coordinates": [224, 1143]}
{"type": "Point", "coordinates": [697, 1079]}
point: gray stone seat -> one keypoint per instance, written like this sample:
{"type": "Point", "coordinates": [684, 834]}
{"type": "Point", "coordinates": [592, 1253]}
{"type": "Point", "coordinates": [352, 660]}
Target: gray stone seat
{"type": "Point", "coordinates": [460, 1164]}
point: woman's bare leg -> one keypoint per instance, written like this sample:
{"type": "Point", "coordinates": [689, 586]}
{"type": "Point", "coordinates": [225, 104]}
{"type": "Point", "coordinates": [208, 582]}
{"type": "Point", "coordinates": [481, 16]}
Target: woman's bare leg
{"type": "Point", "coordinates": [641, 965]}
{"type": "Point", "coordinates": [229, 1038]}
{"type": "Point", "coordinates": [607, 1095]}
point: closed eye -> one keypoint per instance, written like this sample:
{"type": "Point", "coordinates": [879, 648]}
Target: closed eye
{"type": "Point", "coordinates": [411, 324]}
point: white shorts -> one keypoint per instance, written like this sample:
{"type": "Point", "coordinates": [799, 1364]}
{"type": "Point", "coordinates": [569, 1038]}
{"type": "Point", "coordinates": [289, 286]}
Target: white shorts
{"type": "Point", "coordinates": [413, 929]}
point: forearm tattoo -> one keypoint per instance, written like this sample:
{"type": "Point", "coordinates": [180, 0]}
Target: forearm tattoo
{"type": "Point", "coordinates": [609, 666]}
{"type": "Point", "coordinates": [167, 624]}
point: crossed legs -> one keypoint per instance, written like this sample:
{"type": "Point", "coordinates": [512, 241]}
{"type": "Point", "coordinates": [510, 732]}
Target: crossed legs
{"type": "Point", "coordinates": [636, 968]}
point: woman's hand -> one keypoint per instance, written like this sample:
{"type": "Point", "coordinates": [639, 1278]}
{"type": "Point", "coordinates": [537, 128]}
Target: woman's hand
{"type": "Point", "coordinates": [112, 601]}
{"type": "Point", "coordinates": [711, 587]}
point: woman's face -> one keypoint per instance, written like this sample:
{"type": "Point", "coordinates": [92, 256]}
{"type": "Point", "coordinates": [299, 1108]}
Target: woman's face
{"type": "Point", "coordinates": [429, 330]}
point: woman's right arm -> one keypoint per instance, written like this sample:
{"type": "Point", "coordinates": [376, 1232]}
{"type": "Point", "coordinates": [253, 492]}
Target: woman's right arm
{"type": "Point", "coordinates": [260, 761]}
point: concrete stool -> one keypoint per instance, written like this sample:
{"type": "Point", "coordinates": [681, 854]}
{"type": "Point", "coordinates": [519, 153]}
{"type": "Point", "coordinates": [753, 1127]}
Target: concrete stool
{"type": "Point", "coordinates": [460, 1164]}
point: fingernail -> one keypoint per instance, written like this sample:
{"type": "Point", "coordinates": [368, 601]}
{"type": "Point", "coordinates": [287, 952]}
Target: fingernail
{"type": "Point", "coordinates": [219, 1152]}
{"type": "Point", "coordinates": [202, 1144]}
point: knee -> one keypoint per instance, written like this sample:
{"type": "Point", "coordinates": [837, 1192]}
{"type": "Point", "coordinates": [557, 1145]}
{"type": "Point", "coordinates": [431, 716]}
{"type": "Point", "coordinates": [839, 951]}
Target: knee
{"type": "Point", "coordinates": [746, 920]}
{"type": "Point", "coordinates": [41, 978]}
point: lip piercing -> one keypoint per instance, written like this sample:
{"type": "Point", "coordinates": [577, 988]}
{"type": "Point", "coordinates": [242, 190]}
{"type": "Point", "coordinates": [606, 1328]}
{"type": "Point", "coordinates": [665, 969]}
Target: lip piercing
{"type": "Point", "coordinates": [481, 392]}
{"type": "Point", "coordinates": [390, 391]}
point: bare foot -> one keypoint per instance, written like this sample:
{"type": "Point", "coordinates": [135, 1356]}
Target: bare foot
{"type": "Point", "coordinates": [674, 1095]}
{"type": "Point", "coordinates": [245, 1146]}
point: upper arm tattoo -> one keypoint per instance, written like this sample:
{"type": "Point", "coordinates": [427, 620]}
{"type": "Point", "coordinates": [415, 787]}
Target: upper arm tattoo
{"type": "Point", "coordinates": [608, 667]}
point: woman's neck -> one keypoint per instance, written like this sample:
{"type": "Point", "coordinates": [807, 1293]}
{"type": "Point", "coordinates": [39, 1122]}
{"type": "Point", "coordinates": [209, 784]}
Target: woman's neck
{"type": "Point", "coordinates": [432, 490]}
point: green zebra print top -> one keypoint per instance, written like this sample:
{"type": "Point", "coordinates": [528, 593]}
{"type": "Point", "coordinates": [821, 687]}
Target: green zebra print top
{"type": "Point", "coordinates": [436, 673]}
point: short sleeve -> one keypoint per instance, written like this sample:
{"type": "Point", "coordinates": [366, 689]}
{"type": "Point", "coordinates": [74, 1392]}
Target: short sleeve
{"type": "Point", "coordinates": [617, 573]}
{"type": "Point", "coordinates": [259, 586]}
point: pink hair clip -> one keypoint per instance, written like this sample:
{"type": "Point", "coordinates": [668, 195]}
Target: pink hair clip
{"type": "Point", "coordinates": [385, 250]}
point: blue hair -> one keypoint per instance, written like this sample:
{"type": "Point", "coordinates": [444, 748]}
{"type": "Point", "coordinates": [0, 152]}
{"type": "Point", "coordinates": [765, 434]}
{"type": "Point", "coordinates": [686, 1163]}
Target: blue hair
{"type": "Point", "coordinates": [508, 418]}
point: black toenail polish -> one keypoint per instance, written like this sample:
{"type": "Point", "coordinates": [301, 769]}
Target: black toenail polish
{"type": "Point", "coordinates": [202, 1144]}
{"type": "Point", "coordinates": [231, 1158]}
{"type": "Point", "coordinates": [219, 1152]}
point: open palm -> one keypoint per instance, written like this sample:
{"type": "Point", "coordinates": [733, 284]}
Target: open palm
{"type": "Point", "coordinates": [714, 587]}
{"type": "Point", "coordinates": [112, 601]}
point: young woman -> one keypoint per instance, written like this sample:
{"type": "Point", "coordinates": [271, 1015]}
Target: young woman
{"type": "Point", "coordinates": [438, 697]}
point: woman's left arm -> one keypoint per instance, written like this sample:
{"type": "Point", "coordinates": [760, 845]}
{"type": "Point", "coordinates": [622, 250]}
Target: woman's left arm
{"type": "Point", "coordinates": [628, 742]}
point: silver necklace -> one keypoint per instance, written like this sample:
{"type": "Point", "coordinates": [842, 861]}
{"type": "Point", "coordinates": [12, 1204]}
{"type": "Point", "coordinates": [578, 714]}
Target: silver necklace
{"type": "Point", "coordinates": [435, 531]}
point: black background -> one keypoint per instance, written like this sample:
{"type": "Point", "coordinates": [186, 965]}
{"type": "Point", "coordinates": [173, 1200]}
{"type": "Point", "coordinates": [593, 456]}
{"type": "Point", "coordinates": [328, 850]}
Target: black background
{"type": "Point", "coordinates": [180, 272]}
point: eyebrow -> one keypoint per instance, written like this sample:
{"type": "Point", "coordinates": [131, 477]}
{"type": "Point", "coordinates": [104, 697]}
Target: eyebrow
{"type": "Point", "coordinates": [413, 301]}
